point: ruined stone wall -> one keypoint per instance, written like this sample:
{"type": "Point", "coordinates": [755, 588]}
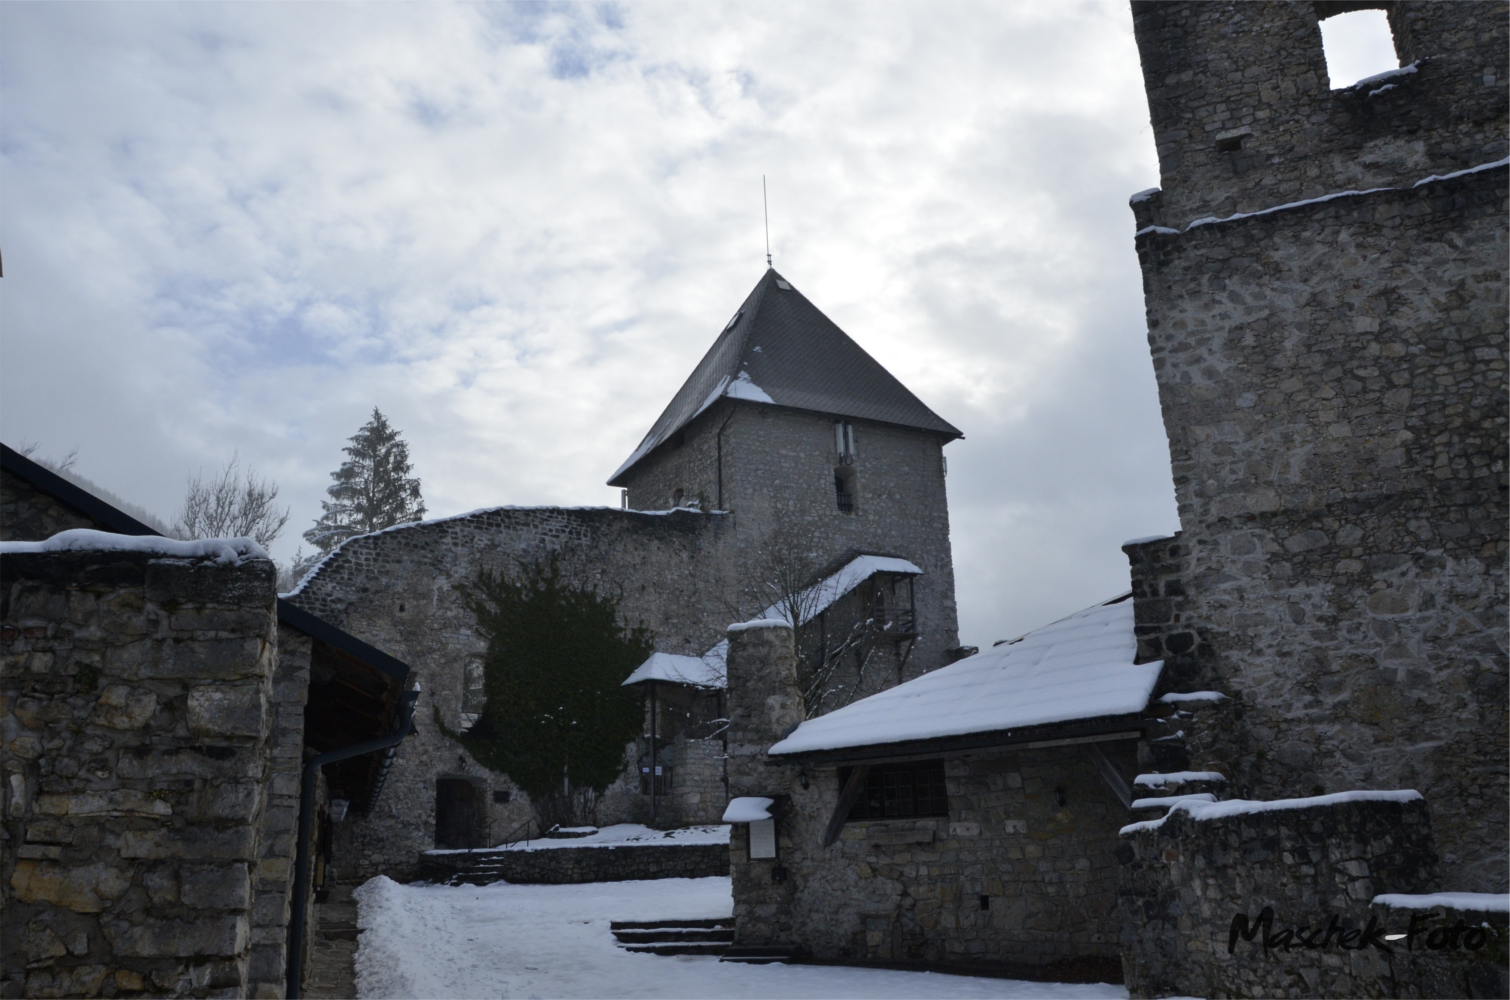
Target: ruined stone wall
{"type": "Point", "coordinates": [778, 481]}
{"type": "Point", "coordinates": [1332, 382]}
{"type": "Point", "coordinates": [28, 514]}
{"type": "Point", "coordinates": [136, 749]}
{"type": "Point", "coordinates": [397, 591]}
{"type": "Point", "coordinates": [1319, 868]}
{"type": "Point", "coordinates": [1244, 119]}
{"type": "Point", "coordinates": [1033, 833]}
{"type": "Point", "coordinates": [575, 865]}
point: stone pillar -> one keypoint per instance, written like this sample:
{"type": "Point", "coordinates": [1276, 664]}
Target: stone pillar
{"type": "Point", "coordinates": [765, 704]}
{"type": "Point", "coordinates": [135, 731]}
{"type": "Point", "coordinates": [280, 819]}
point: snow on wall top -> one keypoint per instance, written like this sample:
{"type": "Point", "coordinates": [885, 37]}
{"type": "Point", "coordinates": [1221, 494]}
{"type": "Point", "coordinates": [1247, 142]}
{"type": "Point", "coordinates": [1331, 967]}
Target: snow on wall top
{"type": "Point", "coordinates": [706, 671]}
{"type": "Point", "coordinates": [1079, 667]}
{"type": "Point", "coordinates": [1475, 902]}
{"type": "Point", "coordinates": [711, 669]}
{"type": "Point", "coordinates": [222, 550]}
{"type": "Point", "coordinates": [1241, 807]}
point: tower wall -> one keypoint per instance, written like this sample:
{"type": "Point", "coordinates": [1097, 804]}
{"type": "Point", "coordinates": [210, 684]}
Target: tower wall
{"type": "Point", "coordinates": [1331, 376]}
{"type": "Point", "coordinates": [778, 468]}
{"type": "Point", "coordinates": [1244, 119]}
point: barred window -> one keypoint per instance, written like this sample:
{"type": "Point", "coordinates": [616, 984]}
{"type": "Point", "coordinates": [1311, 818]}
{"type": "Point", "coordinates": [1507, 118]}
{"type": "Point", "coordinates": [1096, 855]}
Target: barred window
{"type": "Point", "coordinates": [901, 791]}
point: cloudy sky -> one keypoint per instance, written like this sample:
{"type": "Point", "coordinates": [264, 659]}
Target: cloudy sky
{"type": "Point", "coordinates": [516, 228]}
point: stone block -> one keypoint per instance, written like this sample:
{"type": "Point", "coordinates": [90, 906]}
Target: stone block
{"type": "Point", "coordinates": [190, 844]}
{"type": "Point", "coordinates": [228, 710]}
{"type": "Point", "coordinates": [119, 802]}
{"type": "Point", "coordinates": [212, 659]}
{"type": "Point", "coordinates": [80, 888]}
{"type": "Point", "coordinates": [205, 936]}
{"type": "Point", "coordinates": [75, 981]}
{"type": "Point", "coordinates": [124, 707]}
{"type": "Point", "coordinates": [215, 887]}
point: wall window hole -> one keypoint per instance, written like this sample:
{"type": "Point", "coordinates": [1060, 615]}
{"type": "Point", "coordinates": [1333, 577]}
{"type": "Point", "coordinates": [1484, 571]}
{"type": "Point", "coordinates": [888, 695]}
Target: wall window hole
{"type": "Point", "coordinates": [1358, 45]}
{"type": "Point", "coordinates": [985, 902]}
{"type": "Point", "coordinates": [845, 485]}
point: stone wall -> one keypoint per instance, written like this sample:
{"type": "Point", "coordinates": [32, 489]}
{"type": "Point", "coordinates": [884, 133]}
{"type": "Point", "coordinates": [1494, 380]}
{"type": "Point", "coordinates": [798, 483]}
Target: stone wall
{"type": "Point", "coordinates": [1318, 868]}
{"type": "Point", "coordinates": [1338, 454]}
{"type": "Point", "coordinates": [397, 591]}
{"type": "Point", "coordinates": [137, 749]}
{"type": "Point", "coordinates": [1244, 118]}
{"type": "Point", "coordinates": [572, 865]}
{"type": "Point", "coordinates": [1031, 833]}
{"type": "Point", "coordinates": [28, 514]}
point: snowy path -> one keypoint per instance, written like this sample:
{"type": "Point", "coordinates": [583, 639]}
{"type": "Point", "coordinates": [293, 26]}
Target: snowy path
{"type": "Point", "coordinates": [506, 940]}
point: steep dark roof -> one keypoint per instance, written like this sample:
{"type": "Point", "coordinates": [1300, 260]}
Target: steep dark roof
{"type": "Point", "coordinates": [779, 348]}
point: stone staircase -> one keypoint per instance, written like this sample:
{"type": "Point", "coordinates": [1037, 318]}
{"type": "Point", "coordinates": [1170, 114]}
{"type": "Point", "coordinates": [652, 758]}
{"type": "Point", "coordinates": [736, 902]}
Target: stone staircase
{"type": "Point", "coordinates": [675, 937]}
{"type": "Point", "coordinates": [1153, 794]}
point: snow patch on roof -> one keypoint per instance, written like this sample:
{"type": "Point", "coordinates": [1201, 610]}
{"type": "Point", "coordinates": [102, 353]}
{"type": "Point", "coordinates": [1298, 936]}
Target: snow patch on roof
{"type": "Point", "coordinates": [222, 550]}
{"type": "Point", "coordinates": [748, 809]}
{"type": "Point", "coordinates": [743, 388]}
{"type": "Point", "coordinates": [1175, 697]}
{"type": "Point", "coordinates": [1478, 902]}
{"type": "Point", "coordinates": [1242, 807]}
{"type": "Point", "coordinates": [1080, 667]}
{"type": "Point", "coordinates": [706, 671]}
{"type": "Point", "coordinates": [760, 623]}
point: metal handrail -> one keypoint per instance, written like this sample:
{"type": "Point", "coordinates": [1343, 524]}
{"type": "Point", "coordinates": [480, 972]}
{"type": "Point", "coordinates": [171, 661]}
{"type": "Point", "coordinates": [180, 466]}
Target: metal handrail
{"type": "Point", "coordinates": [509, 838]}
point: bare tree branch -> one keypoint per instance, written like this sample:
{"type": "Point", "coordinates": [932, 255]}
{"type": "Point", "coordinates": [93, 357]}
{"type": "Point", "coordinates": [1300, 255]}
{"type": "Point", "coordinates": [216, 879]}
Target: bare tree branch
{"type": "Point", "coordinates": [231, 504]}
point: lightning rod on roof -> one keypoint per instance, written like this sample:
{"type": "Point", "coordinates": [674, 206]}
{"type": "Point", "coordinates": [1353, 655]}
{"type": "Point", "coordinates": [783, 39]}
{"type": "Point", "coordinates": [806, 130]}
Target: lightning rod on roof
{"type": "Point", "coordinates": [766, 204]}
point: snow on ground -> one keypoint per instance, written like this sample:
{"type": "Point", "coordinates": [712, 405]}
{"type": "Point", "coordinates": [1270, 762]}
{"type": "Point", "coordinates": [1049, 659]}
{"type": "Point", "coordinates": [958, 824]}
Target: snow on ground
{"type": "Point", "coordinates": [505, 940]}
{"type": "Point", "coordinates": [632, 833]}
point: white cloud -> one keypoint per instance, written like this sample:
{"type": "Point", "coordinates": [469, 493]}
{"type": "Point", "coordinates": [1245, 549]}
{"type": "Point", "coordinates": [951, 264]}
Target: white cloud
{"type": "Point", "coordinates": [515, 228]}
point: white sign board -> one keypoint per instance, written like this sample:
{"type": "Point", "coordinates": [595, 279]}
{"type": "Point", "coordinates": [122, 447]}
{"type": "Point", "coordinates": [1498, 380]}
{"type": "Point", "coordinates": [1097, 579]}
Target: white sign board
{"type": "Point", "coordinates": [762, 839]}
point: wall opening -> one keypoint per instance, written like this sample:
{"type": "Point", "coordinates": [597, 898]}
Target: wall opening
{"type": "Point", "coordinates": [845, 485]}
{"type": "Point", "coordinates": [900, 791]}
{"type": "Point", "coordinates": [456, 814]}
{"type": "Point", "coordinates": [1358, 45]}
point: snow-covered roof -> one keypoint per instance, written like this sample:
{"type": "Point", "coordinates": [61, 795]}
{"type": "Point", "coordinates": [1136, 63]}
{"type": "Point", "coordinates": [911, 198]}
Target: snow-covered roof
{"type": "Point", "coordinates": [706, 671]}
{"type": "Point", "coordinates": [225, 550]}
{"type": "Point", "coordinates": [711, 669]}
{"type": "Point", "coordinates": [748, 809]}
{"type": "Point", "coordinates": [1080, 667]}
{"type": "Point", "coordinates": [779, 348]}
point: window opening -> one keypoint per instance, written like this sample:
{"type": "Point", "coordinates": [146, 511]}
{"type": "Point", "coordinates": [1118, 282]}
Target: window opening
{"type": "Point", "coordinates": [844, 488]}
{"type": "Point", "coordinates": [677, 495]}
{"type": "Point", "coordinates": [901, 791]}
{"type": "Point", "coordinates": [1358, 45]}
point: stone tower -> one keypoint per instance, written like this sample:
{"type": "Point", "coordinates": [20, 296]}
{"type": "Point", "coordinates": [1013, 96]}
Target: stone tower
{"type": "Point", "coordinates": [814, 448]}
{"type": "Point", "coordinates": [1324, 272]}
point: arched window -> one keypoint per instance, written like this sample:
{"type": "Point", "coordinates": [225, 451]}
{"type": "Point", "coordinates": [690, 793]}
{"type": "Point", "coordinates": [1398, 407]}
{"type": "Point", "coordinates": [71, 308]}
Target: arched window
{"type": "Point", "coordinates": [845, 487]}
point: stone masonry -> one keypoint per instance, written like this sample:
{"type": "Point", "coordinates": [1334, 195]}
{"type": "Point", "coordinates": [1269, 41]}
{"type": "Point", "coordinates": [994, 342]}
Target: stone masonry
{"type": "Point", "coordinates": [1021, 871]}
{"type": "Point", "coordinates": [778, 482]}
{"type": "Point", "coordinates": [138, 748]}
{"type": "Point", "coordinates": [397, 590]}
{"type": "Point", "coordinates": [1332, 378]}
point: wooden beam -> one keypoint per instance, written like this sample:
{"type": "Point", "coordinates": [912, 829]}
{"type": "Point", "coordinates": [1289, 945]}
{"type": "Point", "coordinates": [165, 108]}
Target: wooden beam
{"type": "Point", "coordinates": [954, 746]}
{"type": "Point", "coordinates": [1109, 774]}
{"type": "Point", "coordinates": [852, 789]}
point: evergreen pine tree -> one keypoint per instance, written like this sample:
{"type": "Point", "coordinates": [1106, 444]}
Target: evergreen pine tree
{"type": "Point", "coordinates": [372, 488]}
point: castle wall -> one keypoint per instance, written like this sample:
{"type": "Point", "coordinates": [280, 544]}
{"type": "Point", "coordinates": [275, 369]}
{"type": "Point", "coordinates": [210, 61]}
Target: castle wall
{"type": "Point", "coordinates": [1338, 450]}
{"type": "Point", "coordinates": [137, 752]}
{"type": "Point", "coordinates": [1244, 119]}
{"type": "Point", "coordinates": [397, 591]}
{"type": "Point", "coordinates": [28, 514]}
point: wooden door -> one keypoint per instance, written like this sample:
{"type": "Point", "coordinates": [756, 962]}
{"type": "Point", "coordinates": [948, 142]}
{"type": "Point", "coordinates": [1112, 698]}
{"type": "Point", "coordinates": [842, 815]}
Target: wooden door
{"type": "Point", "coordinates": [455, 814]}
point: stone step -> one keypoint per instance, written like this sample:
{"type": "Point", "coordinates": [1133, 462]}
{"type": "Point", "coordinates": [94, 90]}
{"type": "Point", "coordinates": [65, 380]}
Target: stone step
{"type": "Point", "coordinates": [712, 948]}
{"type": "Point", "coordinates": [641, 925]}
{"type": "Point", "coordinates": [759, 954]}
{"type": "Point", "coordinates": [675, 935]}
